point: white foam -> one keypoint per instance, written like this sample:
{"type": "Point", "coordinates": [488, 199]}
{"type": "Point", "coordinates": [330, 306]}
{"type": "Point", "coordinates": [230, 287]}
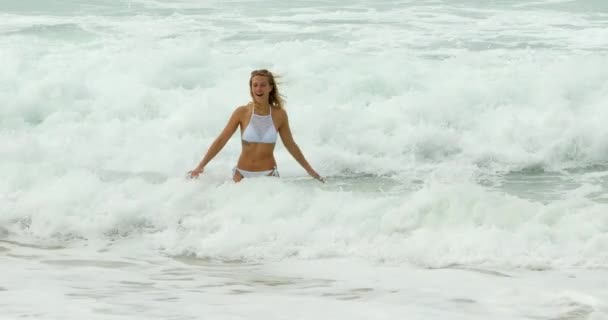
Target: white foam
{"type": "Point", "coordinates": [464, 147]}
{"type": "Point", "coordinates": [115, 285]}
{"type": "Point", "coordinates": [149, 93]}
{"type": "Point", "coordinates": [96, 129]}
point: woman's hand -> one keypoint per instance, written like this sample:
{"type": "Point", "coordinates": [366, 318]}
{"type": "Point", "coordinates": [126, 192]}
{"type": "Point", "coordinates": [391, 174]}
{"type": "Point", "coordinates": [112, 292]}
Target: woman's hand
{"type": "Point", "coordinates": [195, 173]}
{"type": "Point", "coordinates": [315, 175]}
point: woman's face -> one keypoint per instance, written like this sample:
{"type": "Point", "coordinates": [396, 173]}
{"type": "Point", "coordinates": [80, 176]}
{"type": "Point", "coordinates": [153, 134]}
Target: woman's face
{"type": "Point", "coordinates": [260, 89]}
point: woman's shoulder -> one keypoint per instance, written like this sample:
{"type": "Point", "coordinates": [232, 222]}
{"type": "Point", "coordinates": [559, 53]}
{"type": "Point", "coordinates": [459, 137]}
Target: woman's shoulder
{"type": "Point", "coordinates": [279, 111]}
{"type": "Point", "coordinates": [241, 109]}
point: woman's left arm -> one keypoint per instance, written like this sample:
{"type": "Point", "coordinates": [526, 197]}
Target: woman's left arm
{"type": "Point", "coordinates": [292, 147]}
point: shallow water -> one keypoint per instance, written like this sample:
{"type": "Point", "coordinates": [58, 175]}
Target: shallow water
{"type": "Point", "coordinates": [102, 285]}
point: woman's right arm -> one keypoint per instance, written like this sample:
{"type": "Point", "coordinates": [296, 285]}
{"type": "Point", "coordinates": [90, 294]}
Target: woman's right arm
{"type": "Point", "coordinates": [219, 142]}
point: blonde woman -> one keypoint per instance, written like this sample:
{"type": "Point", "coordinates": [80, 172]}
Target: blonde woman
{"type": "Point", "coordinates": [260, 121]}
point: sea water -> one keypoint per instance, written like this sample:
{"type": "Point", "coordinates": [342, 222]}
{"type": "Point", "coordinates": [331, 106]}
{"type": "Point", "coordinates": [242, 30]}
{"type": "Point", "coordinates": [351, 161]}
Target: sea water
{"type": "Point", "coordinates": [464, 144]}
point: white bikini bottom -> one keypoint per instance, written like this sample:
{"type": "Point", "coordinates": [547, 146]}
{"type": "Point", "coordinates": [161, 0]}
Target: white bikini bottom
{"type": "Point", "coordinates": [253, 174]}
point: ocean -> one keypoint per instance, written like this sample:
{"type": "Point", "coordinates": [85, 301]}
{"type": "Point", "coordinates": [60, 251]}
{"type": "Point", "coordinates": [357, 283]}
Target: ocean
{"type": "Point", "coordinates": [464, 144]}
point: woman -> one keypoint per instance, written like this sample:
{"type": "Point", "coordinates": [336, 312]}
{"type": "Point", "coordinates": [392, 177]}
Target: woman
{"type": "Point", "coordinates": [260, 121]}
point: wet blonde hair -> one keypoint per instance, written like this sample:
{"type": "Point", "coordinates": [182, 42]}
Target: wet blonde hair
{"type": "Point", "coordinates": [275, 99]}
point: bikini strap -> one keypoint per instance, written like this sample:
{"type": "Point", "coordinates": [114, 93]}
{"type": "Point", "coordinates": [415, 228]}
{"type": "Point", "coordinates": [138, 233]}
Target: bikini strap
{"type": "Point", "coordinates": [252, 109]}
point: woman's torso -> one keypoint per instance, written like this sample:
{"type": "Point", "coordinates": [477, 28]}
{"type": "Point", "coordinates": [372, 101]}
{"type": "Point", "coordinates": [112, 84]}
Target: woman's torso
{"type": "Point", "coordinates": [257, 154]}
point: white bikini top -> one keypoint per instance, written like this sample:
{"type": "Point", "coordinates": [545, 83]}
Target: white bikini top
{"type": "Point", "coordinates": [260, 129]}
